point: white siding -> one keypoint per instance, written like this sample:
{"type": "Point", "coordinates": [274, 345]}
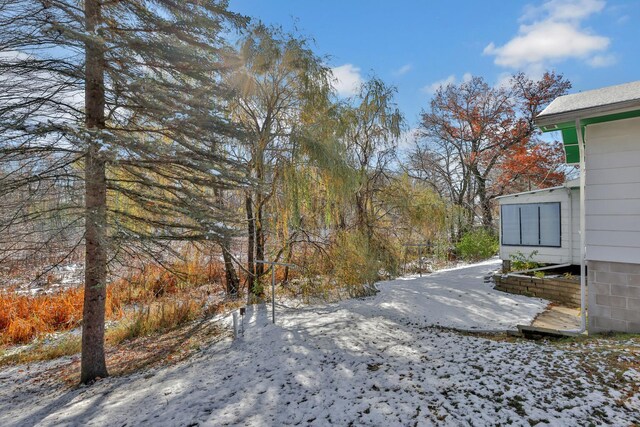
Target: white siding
{"type": "Point", "coordinates": [569, 252]}
{"type": "Point", "coordinates": [613, 191]}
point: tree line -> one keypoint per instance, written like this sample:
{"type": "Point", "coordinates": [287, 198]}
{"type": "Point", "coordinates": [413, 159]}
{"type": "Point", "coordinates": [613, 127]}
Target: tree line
{"type": "Point", "coordinates": [129, 128]}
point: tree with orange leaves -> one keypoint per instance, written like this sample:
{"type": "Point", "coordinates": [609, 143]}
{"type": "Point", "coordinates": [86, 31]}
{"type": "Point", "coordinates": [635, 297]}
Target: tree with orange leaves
{"type": "Point", "coordinates": [475, 139]}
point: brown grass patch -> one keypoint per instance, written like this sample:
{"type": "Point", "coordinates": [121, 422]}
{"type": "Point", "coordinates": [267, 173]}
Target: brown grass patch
{"type": "Point", "coordinates": [24, 317]}
{"type": "Point", "coordinates": [125, 356]}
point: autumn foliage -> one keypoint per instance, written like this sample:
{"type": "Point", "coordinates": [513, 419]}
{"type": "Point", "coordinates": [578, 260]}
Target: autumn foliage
{"type": "Point", "coordinates": [531, 166]}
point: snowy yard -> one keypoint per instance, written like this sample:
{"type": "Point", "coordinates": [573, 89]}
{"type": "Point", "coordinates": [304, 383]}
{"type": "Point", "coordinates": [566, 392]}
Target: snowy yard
{"type": "Point", "coordinates": [456, 298]}
{"type": "Point", "coordinates": [376, 361]}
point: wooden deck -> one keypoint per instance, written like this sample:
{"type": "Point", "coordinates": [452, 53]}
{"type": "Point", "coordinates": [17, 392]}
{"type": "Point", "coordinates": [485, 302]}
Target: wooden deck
{"type": "Point", "coordinates": [558, 318]}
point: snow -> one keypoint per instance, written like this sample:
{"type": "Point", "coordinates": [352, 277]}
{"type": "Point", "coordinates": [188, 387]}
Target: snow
{"type": "Point", "coordinates": [456, 298]}
{"type": "Point", "coordinates": [374, 361]}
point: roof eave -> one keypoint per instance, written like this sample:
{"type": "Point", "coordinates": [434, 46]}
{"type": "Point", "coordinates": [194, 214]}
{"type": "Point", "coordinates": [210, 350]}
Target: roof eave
{"type": "Point", "coordinates": [546, 120]}
{"type": "Point", "coordinates": [526, 193]}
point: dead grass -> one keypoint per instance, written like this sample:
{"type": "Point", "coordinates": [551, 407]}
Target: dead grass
{"type": "Point", "coordinates": [42, 351]}
{"type": "Point", "coordinates": [127, 356]}
{"type": "Point", "coordinates": [24, 317]}
{"type": "Point", "coordinates": [157, 317]}
{"type": "Point", "coordinates": [168, 331]}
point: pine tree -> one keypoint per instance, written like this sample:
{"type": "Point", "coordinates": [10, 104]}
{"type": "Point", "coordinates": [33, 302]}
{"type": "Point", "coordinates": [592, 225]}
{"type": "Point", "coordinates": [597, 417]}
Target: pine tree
{"type": "Point", "coordinates": [123, 100]}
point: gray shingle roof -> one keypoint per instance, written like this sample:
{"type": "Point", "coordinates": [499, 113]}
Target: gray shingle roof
{"type": "Point", "coordinates": [604, 100]}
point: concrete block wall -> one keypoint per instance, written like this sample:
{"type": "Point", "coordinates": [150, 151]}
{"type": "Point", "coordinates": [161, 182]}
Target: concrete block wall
{"type": "Point", "coordinates": [614, 297]}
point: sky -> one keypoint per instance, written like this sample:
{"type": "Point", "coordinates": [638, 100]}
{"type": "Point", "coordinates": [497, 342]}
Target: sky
{"type": "Point", "coordinates": [417, 45]}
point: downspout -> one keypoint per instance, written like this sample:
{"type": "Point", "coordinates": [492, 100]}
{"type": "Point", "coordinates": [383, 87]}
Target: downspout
{"type": "Point", "coordinates": [583, 248]}
{"type": "Point", "coordinates": [570, 225]}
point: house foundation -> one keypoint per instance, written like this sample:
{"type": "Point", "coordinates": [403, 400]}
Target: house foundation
{"type": "Point", "coordinates": [614, 297]}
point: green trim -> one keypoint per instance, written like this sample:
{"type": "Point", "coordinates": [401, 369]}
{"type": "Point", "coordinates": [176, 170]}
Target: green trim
{"type": "Point", "coordinates": [572, 153]}
{"type": "Point", "coordinates": [592, 120]}
{"type": "Point", "coordinates": [570, 137]}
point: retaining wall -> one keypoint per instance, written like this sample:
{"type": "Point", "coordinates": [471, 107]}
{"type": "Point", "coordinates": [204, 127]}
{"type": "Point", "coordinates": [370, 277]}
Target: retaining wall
{"type": "Point", "coordinates": [561, 290]}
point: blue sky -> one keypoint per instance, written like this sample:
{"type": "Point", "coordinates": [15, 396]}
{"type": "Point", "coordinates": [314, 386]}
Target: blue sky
{"type": "Point", "coordinates": [416, 45]}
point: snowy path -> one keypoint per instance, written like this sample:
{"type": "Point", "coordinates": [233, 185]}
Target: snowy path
{"type": "Point", "coordinates": [456, 298]}
{"type": "Point", "coordinates": [360, 362]}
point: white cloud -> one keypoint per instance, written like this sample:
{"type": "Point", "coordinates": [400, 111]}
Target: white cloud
{"type": "Point", "coordinates": [504, 80]}
{"type": "Point", "coordinates": [449, 80]}
{"type": "Point", "coordinates": [403, 70]}
{"type": "Point", "coordinates": [433, 87]}
{"type": "Point", "coordinates": [566, 10]}
{"type": "Point", "coordinates": [554, 34]}
{"type": "Point", "coordinates": [347, 79]}
{"type": "Point", "coordinates": [599, 61]}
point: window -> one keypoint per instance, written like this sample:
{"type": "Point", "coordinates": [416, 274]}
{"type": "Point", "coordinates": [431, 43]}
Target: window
{"type": "Point", "coordinates": [531, 224]}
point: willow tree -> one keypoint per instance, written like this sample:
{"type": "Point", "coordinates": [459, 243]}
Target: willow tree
{"type": "Point", "coordinates": [119, 98]}
{"type": "Point", "coordinates": [279, 82]}
{"type": "Point", "coordinates": [373, 125]}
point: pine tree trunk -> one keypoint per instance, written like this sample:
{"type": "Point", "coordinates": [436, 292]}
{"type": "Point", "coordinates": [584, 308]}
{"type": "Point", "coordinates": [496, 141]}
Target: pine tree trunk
{"type": "Point", "coordinates": [93, 363]}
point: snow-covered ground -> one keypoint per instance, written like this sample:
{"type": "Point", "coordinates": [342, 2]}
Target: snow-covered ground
{"type": "Point", "coordinates": [456, 298]}
{"type": "Point", "coordinates": [374, 361]}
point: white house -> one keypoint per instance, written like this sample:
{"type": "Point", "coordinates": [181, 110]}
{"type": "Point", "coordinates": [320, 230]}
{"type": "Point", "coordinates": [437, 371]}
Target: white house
{"type": "Point", "coordinates": [601, 133]}
{"type": "Point", "coordinates": [542, 224]}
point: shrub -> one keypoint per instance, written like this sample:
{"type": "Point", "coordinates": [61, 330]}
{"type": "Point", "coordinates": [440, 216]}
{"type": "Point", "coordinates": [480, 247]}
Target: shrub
{"type": "Point", "coordinates": [520, 261]}
{"type": "Point", "coordinates": [355, 264]}
{"type": "Point", "coordinates": [477, 244]}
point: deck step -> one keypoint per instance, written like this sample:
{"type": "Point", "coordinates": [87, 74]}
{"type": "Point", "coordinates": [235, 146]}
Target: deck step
{"type": "Point", "coordinates": [535, 332]}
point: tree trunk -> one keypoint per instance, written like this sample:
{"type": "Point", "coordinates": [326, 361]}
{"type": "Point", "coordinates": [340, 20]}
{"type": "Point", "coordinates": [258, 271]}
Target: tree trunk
{"type": "Point", "coordinates": [233, 283]}
{"type": "Point", "coordinates": [362, 218]}
{"type": "Point", "coordinates": [93, 363]}
{"type": "Point", "coordinates": [288, 258]}
{"type": "Point", "coordinates": [231, 277]}
{"type": "Point", "coordinates": [250, 243]}
{"type": "Point", "coordinates": [260, 241]}
{"type": "Point", "coordinates": [485, 204]}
